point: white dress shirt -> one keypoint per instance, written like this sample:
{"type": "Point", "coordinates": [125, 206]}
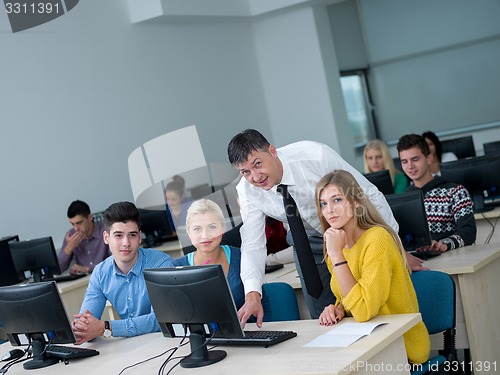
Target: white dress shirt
{"type": "Point", "coordinates": [304, 163]}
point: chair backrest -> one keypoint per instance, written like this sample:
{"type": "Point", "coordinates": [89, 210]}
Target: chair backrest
{"type": "Point", "coordinates": [279, 302]}
{"type": "Point", "coordinates": [436, 299]}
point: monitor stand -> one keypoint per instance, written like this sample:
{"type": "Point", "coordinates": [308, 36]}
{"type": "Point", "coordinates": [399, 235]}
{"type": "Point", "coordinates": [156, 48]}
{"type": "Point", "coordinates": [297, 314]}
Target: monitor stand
{"type": "Point", "coordinates": [478, 203]}
{"type": "Point", "coordinates": [200, 356]}
{"type": "Point", "coordinates": [40, 358]}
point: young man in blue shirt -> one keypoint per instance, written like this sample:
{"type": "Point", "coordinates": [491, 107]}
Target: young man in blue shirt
{"type": "Point", "coordinates": [120, 280]}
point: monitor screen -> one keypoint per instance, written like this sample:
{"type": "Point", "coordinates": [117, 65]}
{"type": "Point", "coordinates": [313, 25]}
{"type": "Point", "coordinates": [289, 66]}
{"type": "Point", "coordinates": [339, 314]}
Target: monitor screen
{"type": "Point", "coordinates": [462, 147]}
{"type": "Point", "coordinates": [155, 227]}
{"type": "Point", "coordinates": [35, 258]}
{"type": "Point", "coordinates": [33, 314]}
{"type": "Point", "coordinates": [409, 211]}
{"type": "Point", "coordinates": [197, 298]}
{"type": "Point", "coordinates": [382, 180]}
{"type": "Point", "coordinates": [491, 148]}
{"type": "Point", "coordinates": [479, 175]}
{"type": "Point", "coordinates": [8, 274]}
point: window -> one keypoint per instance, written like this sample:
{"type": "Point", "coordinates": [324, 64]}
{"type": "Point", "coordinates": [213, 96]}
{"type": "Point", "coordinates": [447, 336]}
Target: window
{"type": "Point", "coordinates": [360, 110]}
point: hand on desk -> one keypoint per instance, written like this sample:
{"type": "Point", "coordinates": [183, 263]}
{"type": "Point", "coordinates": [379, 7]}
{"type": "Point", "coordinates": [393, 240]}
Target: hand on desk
{"type": "Point", "coordinates": [86, 327]}
{"type": "Point", "coordinates": [252, 306]}
{"type": "Point", "coordinates": [77, 269]}
{"type": "Point", "coordinates": [435, 245]}
{"type": "Point", "coordinates": [416, 264]}
{"type": "Point", "coordinates": [331, 315]}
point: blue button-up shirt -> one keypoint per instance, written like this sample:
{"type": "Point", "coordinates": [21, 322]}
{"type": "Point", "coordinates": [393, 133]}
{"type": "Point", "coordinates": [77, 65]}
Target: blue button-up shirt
{"type": "Point", "coordinates": [127, 293]}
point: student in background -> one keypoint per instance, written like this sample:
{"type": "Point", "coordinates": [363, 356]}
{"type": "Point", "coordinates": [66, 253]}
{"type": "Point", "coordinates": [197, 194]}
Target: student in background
{"type": "Point", "coordinates": [120, 280]}
{"type": "Point", "coordinates": [436, 151]}
{"type": "Point", "coordinates": [377, 157]}
{"type": "Point", "coordinates": [83, 242]}
{"type": "Point", "coordinates": [369, 274]}
{"type": "Point", "coordinates": [448, 205]}
{"type": "Point", "coordinates": [180, 180]}
{"type": "Point", "coordinates": [176, 203]}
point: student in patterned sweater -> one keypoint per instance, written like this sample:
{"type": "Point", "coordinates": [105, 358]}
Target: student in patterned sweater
{"type": "Point", "coordinates": [448, 205]}
{"type": "Point", "coordinates": [369, 273]}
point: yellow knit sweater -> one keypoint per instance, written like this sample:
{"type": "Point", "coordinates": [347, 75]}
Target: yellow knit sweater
{"type": "Point", "coordinates": [383, 287]}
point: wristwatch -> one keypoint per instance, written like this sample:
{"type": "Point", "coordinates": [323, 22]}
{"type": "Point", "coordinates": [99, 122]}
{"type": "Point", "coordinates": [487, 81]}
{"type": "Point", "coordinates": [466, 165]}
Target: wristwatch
{"type": "Point", "coordinates": [448, 242]}
{"type": "Point", "coordinates": [107, 329]}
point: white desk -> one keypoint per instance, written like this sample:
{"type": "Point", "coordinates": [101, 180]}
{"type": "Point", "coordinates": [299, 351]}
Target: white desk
{"type": "Point", "coordinates": [485, 222]}
{"type": "Point", "coordinates": [476, 271]}
{"type": "Point", "coordinates": [377, 353]}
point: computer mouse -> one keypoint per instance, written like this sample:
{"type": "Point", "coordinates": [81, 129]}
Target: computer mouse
{"type": "Point", "coordinates": [13, 354]}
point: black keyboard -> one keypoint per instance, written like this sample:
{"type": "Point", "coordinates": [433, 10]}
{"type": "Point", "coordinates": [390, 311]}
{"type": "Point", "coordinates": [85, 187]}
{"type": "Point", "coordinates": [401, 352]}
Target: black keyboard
{"type": "Point", "coordinates": [274, 267]}
{"type": "Point", "coordinates": [426, 254]}
{"type": "Point", "coordinates": [67, 352]}
{"type": "Point", "coordinates": [259, 338]}
{"type": "Point", "coordinates": [62, 278]}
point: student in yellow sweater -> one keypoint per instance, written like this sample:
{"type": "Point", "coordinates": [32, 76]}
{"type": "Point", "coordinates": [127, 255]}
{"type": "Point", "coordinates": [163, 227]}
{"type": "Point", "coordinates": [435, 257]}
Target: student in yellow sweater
{"type": "Point", "coordinates": [370, 276]}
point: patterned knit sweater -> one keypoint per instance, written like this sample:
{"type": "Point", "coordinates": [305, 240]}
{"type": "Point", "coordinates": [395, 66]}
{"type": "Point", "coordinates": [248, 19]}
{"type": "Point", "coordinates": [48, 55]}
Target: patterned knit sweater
{"type": "Point", "coordinates": [449, 212]}
{"type": "Point", "coordinates": [383, 287]}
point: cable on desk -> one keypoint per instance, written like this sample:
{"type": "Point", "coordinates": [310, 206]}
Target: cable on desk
{"type": "Point", "coordinates": [169, 358]}
{"type": "Point", "coordinates": [492, 225]}
{"type": "Point", "coordinates": [146, 360]}
{"type": "Point", "coordinates": [12, 362]}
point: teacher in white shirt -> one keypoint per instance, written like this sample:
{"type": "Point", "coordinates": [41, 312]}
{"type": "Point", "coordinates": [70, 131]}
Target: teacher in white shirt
{"type": "Point", "coordinates": [299, 165]}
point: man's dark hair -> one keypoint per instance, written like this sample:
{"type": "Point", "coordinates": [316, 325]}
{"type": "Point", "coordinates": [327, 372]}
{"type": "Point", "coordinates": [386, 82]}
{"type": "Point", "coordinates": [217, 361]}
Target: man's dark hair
{"type": "Point", "coordinates": [78, 208]}
{"type": "Point", "coordinates": [175, 187]}
{"type": "Point", "coordinates": [244, 143]}
{"type": "Point", "coordinates": [120, 212]}
{"type": "Point", "coordinates": [437, 143]}
{"type": "Point", "coordinates": [413, 140]}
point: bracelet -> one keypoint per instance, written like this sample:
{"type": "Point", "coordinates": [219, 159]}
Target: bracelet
{"type": "Point", "coordinates": [340, 263]}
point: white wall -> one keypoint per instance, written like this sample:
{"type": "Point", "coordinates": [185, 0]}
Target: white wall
{"type": "Point", "coordinates": [300, 77]}
{"type": "Point", "coordinates": [435, 64]}
{"type": "Point", "coordinates": [80, 93]}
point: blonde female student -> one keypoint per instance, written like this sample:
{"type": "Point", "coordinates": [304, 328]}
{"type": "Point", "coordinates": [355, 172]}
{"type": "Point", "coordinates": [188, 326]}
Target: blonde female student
{"type": "Point", "coordinates": [378, 158]}
{"type": "Point", "coordinates": [370, 276]}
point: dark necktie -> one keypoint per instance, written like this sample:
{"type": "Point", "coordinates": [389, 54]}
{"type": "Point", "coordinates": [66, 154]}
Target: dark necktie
{"type": "Point", "coordinates": [310, 273]}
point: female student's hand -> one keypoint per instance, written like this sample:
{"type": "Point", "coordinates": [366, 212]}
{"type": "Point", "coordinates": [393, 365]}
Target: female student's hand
{"type": "Point", "coordinates": [335, 241]}
{"type": "Point", "coordinates": [331, 315]}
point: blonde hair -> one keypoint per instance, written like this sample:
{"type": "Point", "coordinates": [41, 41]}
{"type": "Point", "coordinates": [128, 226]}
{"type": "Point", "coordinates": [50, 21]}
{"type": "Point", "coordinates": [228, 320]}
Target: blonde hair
{"type": "Point", "coordinates": [365, 214]}
{"type": "Point", "coordinates": [202, 206]}
{"type": "Point", "coordinates": [377, 144]}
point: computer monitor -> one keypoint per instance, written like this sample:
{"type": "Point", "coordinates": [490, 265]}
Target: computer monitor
{"type": "Point", "coordinates": [382, 180]}
{"type": "Point", "coordinates": [8, 274]}
{"type": "Point", "coordinates": [34, 314]}
{"type": "Point", "coordinates": [479, 175]}
{"type": "Point", "coordinates": [491, 148]}
{"type": "Point", "coordinates": [35, 258]}
{"type": "Point", "coordinates": [409, 211]}
{"type": "Point", "coordinates": [462, 147]}
{"type": "Point", "coordinates": [155, 226]}
{"type": "Point", "coordinates": [197, 298]}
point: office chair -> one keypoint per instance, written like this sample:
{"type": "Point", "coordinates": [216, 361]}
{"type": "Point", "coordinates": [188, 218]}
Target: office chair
{"type": "Point", "coordinates": [282, 302]}
{"type": "Point", "coordinates": [436, 298]}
